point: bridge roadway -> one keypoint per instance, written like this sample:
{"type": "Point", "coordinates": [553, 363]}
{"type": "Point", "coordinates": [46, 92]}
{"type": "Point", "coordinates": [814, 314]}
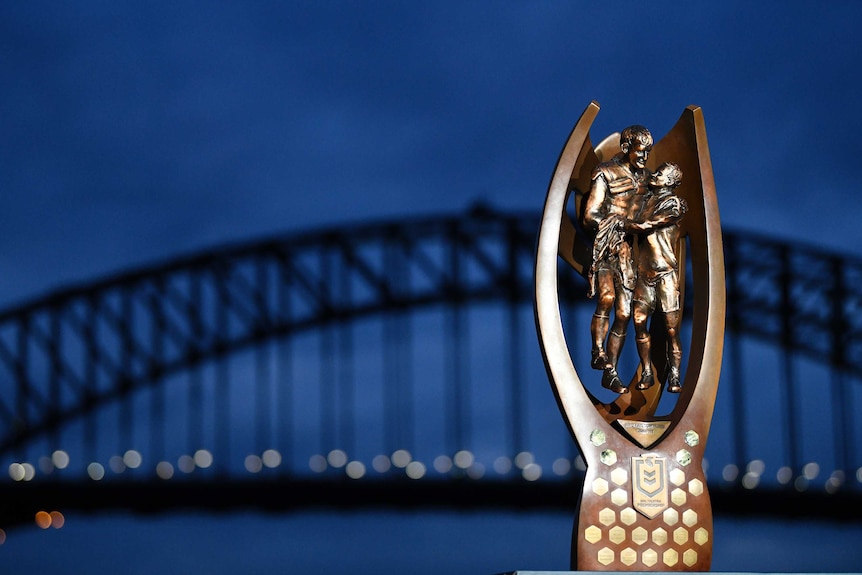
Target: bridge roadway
{"type": "Point", "coordinates": [21, 501]}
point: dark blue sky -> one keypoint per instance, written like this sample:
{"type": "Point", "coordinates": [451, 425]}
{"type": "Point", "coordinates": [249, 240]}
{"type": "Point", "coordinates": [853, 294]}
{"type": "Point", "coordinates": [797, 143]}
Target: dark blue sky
{"type": "Point", "coordinates": [135, 132]}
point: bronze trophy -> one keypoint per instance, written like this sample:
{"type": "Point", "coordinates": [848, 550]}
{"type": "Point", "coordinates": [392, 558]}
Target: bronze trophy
{"type": "Point", "coordinates": [641, 209]}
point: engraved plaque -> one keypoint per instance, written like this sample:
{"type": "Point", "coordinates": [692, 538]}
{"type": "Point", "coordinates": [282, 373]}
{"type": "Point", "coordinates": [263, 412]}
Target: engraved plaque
{"type": "Point", "coordinates": [650, 485]}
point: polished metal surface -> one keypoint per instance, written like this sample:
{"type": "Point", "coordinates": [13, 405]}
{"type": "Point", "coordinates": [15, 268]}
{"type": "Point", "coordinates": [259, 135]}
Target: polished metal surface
{"type": "Point", "coordinates": [644, 471]}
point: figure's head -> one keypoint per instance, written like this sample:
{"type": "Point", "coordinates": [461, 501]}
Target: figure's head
{"type": "Point", "coordinates": [667, 175]}
{"type": "Point", "coordinates": [636, 144]}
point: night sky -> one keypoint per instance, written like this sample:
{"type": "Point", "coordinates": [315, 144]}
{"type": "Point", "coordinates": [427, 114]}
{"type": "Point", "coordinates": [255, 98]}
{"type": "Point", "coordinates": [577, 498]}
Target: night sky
{"type": "Point", "coordinates": [131, 133]}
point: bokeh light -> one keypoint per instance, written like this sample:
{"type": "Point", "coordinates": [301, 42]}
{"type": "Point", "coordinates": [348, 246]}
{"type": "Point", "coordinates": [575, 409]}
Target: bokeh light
{"type": "Point", "coordinates": [381, 463]}
{"type": "Point", "coordinates": [523, 459]}
{"type": "Point", "coordinates": [57, 520]}
{"type": "Point", "coordinates": [16, 471]}
{"type": "Point", "coordinates": [476, 471]}
{"type": "Point", "coordinates": [60, 459]}
{"type": "Point", "coordinates": [133, 459]}
{"type": "Point", "coordinates": [203, 458]}
{"type": "Point", "coordinates": [463, 459]}
{"type": "Point", "coordinates": [253, 463]}
{"type": "Point", "coordinates": [355, 469]}
{"type": "Point", "coordinates": [43, 519]}
{"type": "Point", "coordinates": [317, 463]}
{"type": "Point", "coordinates": [532, 472]}
{"type": "Point", "coordinates": [337, 458]}
{"type": "Point", "coordinates": [442, 464]}
{"type": "Point", "coordinates": [561, 466]}
{"type": "Point", "coordinates": [116, 464]}
{"type": "Point", "coordinates": [271, 458]}
{"type": "Point", "coordinates": [96, 471]}
{"type": "Point", "coordinates": [502, 465]}
{"type": "Point", "coordinates": [401, 458]}
{"type": "Point", "coordinates": [415, 470]}
{"type": "Point", "coordinates": [186, 463]}
{"type": "Point", "coordinates": [164, 470]}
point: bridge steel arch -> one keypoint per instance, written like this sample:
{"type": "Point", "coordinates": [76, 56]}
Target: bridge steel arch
{"type": "Point", "coordinates": [68, 358]}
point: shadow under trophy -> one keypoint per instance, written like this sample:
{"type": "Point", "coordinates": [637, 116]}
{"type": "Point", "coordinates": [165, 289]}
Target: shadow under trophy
{"type": "Point", "coordinates": [644, 215]}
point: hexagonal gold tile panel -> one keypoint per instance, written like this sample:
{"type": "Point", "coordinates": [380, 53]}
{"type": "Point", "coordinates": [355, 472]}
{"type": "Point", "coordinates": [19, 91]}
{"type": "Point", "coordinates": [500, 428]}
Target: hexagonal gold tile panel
{"type": "Point", "coordinates": [677, 496]}
{"type": "Point", "coordinates": [605, 556]}
{"type": "Point", "coordinates": [671, 516]}
{"type": "Point", "coordinates": [689, 517]}
{"type": "Point", "coordinates": [659, 536]}
{"type": "Point", "coordinates": [649, 558]}
{"type": "Point", "coordinates": [670, 557]}
{"type": "Point", "coordinates": [689, 557]}
{"type": "Point", "coordinates": [621, 496]}
{"type": "Point", "coordinates": [619, 476]}
{"type": "Point", "coordinates": [701, 536]}
{"type": "Point", "coordinates": [607, 516]}
{"type": "Point", "coordinates": [695, 487]}
{"type": "Point", "coordinates": [593, 534]}
{"type": "Point", "coordinates": [617, 535]}
{"type": "Point", "coordinates": [677, 477]}
{"type": "Point", "coordinates": [600, 486]}
{"type": "Point", "coordinates": [628, 556]}
{"type": "Point", "coordinates": [639, 535]}
{"type": "Point", "coordinates": [628, 516]}
{"type": "Point", "coordinates": [680, 535]}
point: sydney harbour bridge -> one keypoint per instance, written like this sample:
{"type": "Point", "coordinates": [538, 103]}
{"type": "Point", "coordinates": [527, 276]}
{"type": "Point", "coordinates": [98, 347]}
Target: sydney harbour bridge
{"type": "Point", "coordinates": [396, 364]}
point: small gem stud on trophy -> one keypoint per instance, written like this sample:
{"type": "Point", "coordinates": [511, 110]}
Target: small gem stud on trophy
{"type": "Point", "coordinates": [645, 215]}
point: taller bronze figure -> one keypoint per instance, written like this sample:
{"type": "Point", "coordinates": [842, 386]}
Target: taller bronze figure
{"type": "Point", "coordinates": [641, 211]}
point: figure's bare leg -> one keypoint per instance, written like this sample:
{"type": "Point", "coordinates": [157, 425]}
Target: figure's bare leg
{"type": "Point", "coordinates": [674, 351]}
{"type": "Point", "coordinates": [616, 340]}
{"type": "Point", "coordinates": [642, 339]}
{"type": "Point", "coordinates": [601, 318]}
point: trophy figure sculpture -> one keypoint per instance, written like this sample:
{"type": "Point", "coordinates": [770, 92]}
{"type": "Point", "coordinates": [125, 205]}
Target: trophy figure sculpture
{"type": "Point", "coordinates": [642, 210]}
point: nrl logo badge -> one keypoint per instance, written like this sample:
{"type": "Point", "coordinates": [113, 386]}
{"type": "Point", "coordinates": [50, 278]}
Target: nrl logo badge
{"type": "Point", "coordinates": [649, 489]}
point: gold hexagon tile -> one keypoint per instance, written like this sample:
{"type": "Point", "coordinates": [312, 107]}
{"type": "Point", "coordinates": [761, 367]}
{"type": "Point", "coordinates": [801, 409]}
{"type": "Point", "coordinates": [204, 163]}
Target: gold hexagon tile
{"type": "Point", "coordinates": [689, 557]}
{"type": "Point", "coordinates": [600, 486]}
{"type": "Point", "coordinates": [680, 536]}
{"type": "Point", "coordinates": [701, 536]}
{"type": "Point", "coordinates": [659, 536]}
{"type": "Point", "coordinates": [628, 556]}
{"type": "Point", "coordinates": [617, 535]}
{"type": "Point", "coordinates": [607, 516]}
{"type": "Point", "coordinates": [605, 556]}
{"type": "Point", "coordinates": [677, 477]}
{"type": "Point", "coordinates": [628, 516]}
{"type": "Point", "coordinates": [670, 557]}
{"type": "Point", "coordinates": [671, 516]}
{"type": "Point", "coordinates": [677, 496]}
{"type": "Point", "coordinates": [619, 476]}
{"type": "Point", "coordinates": [649, 558]}
{"type": "Point", "coordinates": [689, 517]}
{"type": "Point", "coordinates": [639, 535]}
{"type": "Point", "coordinates": [593, 534]}
{"type": "Point", "coordinates": [695, 487]}
{"type": "Point", "coordinates": [621, 496]}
